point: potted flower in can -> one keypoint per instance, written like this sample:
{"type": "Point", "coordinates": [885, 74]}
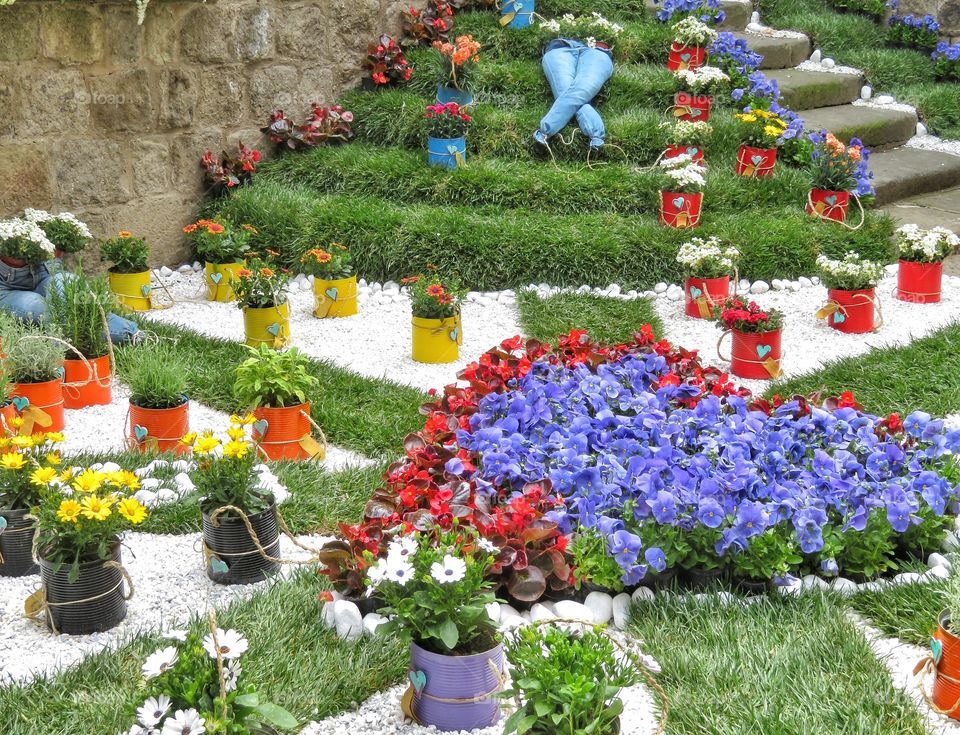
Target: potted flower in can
{"type": "Point", "coordinates": [437, 323]}
{"type": "Point", "coordinates": [696, 88]}
{"type": "Point", "coordinates": [129, 274]}
{"type": "Point", "coordinates": [458, 60]}
{"type": "Point", "coordinates": [334, 282]}
{"type": "Point", "coordinates": [198, 683]}
{"type": "Point", "coordinates": [761, 133]}
{"type": "Point", "coordinates": [685, 137]}
{"type": "Point", "coordinates": [708, 265]}
{"type": "Point", "coordinates": [436, 591]}
{"type": "Point", "coordinates": [67, 233]}
{"type": "Point", "coordinates": [691, 37]}
{"type": "Point", "coordinates": [756, 351]}
{"type": "Point", "coordinates": [851, 292]}
{"type": "Point", "coordinates": [944, 657]}
{"type": "Point", "coordinates": [79, 519]}
{"type": "Point", "coordinates": [223, 248]}
{"type": "Point", "coordinates": [274, 386]}
{"type": "Point", "coordinates": [34, 362]}
{"type": "Point", "coordinates": [447, 127]}
{"type": "Point", "coordinates": [79, 308]}
{"type": "Point", "coordinates": [26, 463]}
{"type": "Point", "coordinates": [260, 291]}
{"type": "Point", "coordinates": [241, 539]}
{"type": "Point", "coordinates": [922, 253]}
{"type": "Point", "coordinates": [23, 242]}
{"type": "Point", "coordinates": [159, 407]}
{"type": "Point", "coordinates": [681, 193]}
{"type": "Point", "coordinates": [836, 170]}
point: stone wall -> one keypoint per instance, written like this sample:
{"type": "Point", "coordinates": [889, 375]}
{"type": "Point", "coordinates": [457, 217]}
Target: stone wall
{"type": "Point", "coordinates": [108, 119]}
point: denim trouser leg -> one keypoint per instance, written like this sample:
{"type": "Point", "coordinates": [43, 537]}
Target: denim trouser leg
{"type": "Point", "coordinates": [576, 75]}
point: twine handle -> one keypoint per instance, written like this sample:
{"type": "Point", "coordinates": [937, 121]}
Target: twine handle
{"type": "Point", "coordinates": [823, 218]}
{"type": "Point", "coordinates": [44, 605]}
{"type": "Point", "coordinates": [752, 169]}
{"type": "Point", "coordinates": [723, 334]}
{"type": "Point", "coordinates": [923, 668]}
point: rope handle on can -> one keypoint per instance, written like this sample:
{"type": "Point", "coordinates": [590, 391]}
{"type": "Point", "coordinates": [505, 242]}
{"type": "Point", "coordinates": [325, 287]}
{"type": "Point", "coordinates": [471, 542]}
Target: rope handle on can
{"type": "Point", "coordinates": [752, 169]}
{"type": "Point", "coordinates": [38, 603]}
{"type": "Point", "coordinates": [924, 667]}
{"type": "Point", "coordinates": [281, 523]}
{"type": "Point", "coordinates": [833, 305]}
{"type": "Point", "coordinates": [824, 215]}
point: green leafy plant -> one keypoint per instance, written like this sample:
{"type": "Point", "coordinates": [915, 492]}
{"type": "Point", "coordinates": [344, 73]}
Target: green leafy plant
{"type": "Point", "coordinates": [220, 241]}
{"type": "Point", "coordinates": [156, 376]}
{"type": "Point", "coordinates": [330, 264]}
{"type": "Point", "coordinates": [24, 241]}
{"type": "Point", "coordinates": [67, 233]}
{"type": "Point", "coordinates": [34, 353]}
{"type": "Point", "coordinates": [433, 297]}
{"type": "Point", "coordinates": [768, 556]}
{"type": "Point", "coordinates": [127, 252]}
{"type": "Point", "coordinates": [868, 552]}
{"type": "Point", "coordinates": [260, 286]}
{"type": "Point", "coordinates": [79, 307]}
{"type": "Point", "coordinates": [591, 563]}
{"type": "Point", "coordinates": [565, 682]}
{"type": "Point", "coordinates": [273, 378]}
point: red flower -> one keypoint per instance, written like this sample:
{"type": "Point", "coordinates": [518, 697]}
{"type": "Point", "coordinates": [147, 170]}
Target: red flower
{"type": "Point", "coordinates": [847, 400]}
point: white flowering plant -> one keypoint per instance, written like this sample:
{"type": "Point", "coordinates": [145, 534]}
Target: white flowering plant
{"type": "Point", "coordinates": [435, 588]}
{"type": "Point", "coordinates": [851, 273]}
{"type": "Point", "coordinates": [67, 233]}
{"type": "Point", "coordinates": [591, 29]}
{"type": "Point", "coordinates": [691, 32]}
{"type": "Point", "coordinates": [687, 132]}
{"type": "Point", "coordinates": [702, 80]}
{"type": "Point", "coordinates": [707, 258]}
{"type": "Point", "coordinates": [682, 174]}
{"type": "Point", "coordinates": [925, 246]}
{"type": "Point", "coordinates": [24, 241]}
{"type": "Point", "coordinates": [195, 686]}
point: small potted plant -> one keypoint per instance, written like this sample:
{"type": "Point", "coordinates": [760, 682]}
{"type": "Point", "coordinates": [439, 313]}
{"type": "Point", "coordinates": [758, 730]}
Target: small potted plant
{"type": "Point", "coordinates": [922, 253]}
{"type": "Point", "coordinates": [79, 308]}
{"type": "Point", "coordinates": [696, 89]}
{"type": "Point", "coordinates": [691, 37]}
{"type": "Point", "coordinates": [233, 504]}
{"type": "Point", "coordinates": [223, 248]}
{"type": "Point", "coordinates": [708, 265]}
{"type": "Point", "coordinates": [836, 170]}
{"type": "Point", "coordinates": [437, 324]}
{"type": "Point", "coordinates": [458, 60]}
{"type": "Point", "coordinates": [386, 63]}
{"type": "Point", "coordinates": [688, 138]}
{"type": "Point", "coordinates": [756, 352]}
{"type": "Point", "coordinates": [26, 466]}
{"type": "Point", "coordinates": [334, 282]}
{"type": "Point", "coordinates": [34, 361]}
{"type": "Point", "coordinates": [198, 683]}
{"type": "Point", "coordinates": [851, 292]}
{"type": "Point", "coordinates": [761, 132]}
{"type": "Point", "coordinates": [129, 274]}
{"type": "Point", "coordinates": [435, 587]}
{"type": "Point", "coordinates": [159, 408]}
{"type": "Point", "coordinates": [517, 13]}
{"type": "Point", "coordinates": [681, 193]}
{"type": "Point", "coordinates": [229, 171]}
{"type": "Point", "coordinates": [22, 242]}
{"type": "Point", "coordinates": [274, 386]}
{"type": "Point", "coordinates": [447, 127]}
{"type": "Point", "coordinates": [78, 547]}
{"type": "Point", "coordinates": [67, 233]}
{"type": "Point", "coordinates": [945, 650]}
{"type": "Point", "coordinates": [566, 681]}
{"type": "Point", "coordinates": [261, 292]}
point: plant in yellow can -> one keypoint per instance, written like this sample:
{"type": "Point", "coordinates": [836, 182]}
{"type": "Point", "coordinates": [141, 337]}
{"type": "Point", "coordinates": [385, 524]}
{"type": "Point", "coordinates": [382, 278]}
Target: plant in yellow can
{"type": "Point", "coordinates": [437, 326]}
{"type": "Point", "coordinates": [334, 282]}
{"type": "Point", "coordinates": [223, 247]}
{"type": "Point", "coordinates": [129, 275]}
{"type": "Point", "coordinates": [260, 291]}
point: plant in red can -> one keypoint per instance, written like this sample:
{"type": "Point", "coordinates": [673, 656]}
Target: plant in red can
{"type": "Point", "coordinates": [229, 171]}
{"type": "Point", "coordinates": [836, 171]}
{"type": "Point", "coordinates": [922, 253]}
{"type": "Point", "coordinates": [428, 26]}
{"type": "Point", "coordinates": [756, 351]}
{"type": "Point", "coordinates": [386, 63]}
{"type": "Point", "coordinates": [681, 191]}
{"type": "Point", "coordinates": [761, 131]}
{"type": "Point", "coordinates": [851, 292]}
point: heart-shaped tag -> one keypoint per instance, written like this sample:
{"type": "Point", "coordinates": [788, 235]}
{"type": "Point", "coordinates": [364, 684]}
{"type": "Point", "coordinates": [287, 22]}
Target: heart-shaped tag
{"type": "Point", "coordinates": [218, 565]}
{"type": "Point", "coordinates": [140, 432]}
{"type": "Point", "coordinates": [763, 351]}
{"type": "Point", "coordinates": [757, 160]}
{"type": "Point", "coordinates": [839, 317]}
{"type": "Point", "coordinates": [216, 277]}
{"type": "Point", "coordinates": [260, 427]}
{"type": "Point", "coordinates": [20, 403]}
{"type": "Point", "coordinates": [695, 292]}
{"type": "Point", "coordinates": [332, 293]}
{"type": "Point", "coordinates": [145, 290]}
{"type": "Point", "coordinates": [3, 523]}
{"type": "Point", "coordinates": [685, 57]}
{"type": "Point", "coordinates": [274, 328]}
{"type": "Point", "coordinates": [418, 680]}
{"type": "Point", "coordinates": [831, 200]}
{"type": "Point", "coordinates": [454, 334]}
{"type": "Point", "coordinates": [936, 648]}
{"type": "Point", "coordinates": [692, 151]}
{"type": "Point", "coordinates": [695, 112]}
{"type": "Point", "coordinates": [678, 202]}
{"type": "Point", "coordinates": [61, 372]}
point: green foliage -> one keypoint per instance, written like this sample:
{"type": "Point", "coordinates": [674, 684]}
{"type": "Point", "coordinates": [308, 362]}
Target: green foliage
{"type": "Point", "coordinates": [225, 472]}
{"type": "Point", "coordinates": [66, 232]}
{"type": "Point", "coordinates": [331, 264]}
{"type": "Point", "coordinates": [435, 297]}
{"type": "Point", "coordinates": [565, 682]}
{"type": "Point", "coordinates": [33, 352]}
{"type": "Point", "coordinates": [127, 252]}
{"type": "Point", "coordinates": [260, 286]}
{"type": "Point", "coordinates": [868, 552]}
{"type": "Point", "coordinates": [156, 375]}
{"type": "Point", "coordinates": [274, 378]}
{"type": "Point", "coordinates": [592, 563]}
{"type": "Point", "coordinates": [78, 306]}
{"type": "Point", "coordinates": [609, 320]}
{"type": "Point", "coordinates": [219, 240]}
{"type": "Point", "coordinates": [769, 555]}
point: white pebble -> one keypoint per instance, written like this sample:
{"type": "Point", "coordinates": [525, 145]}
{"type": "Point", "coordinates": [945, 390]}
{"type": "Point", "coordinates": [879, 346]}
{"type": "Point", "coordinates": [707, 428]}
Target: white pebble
{"type": "Point", "coordinates": [812, 581]}
{"type": "Point", "coordinates": [937, 559]}
{"type": "Point", "coordinates": [828, 63]}
{"type": "Point", "coordinates": [816, 56]}
{"type": "Point", "coordinates": [759, 287]}
{"type": "Point", "coordinates": [950, 543]}
{"type": "Point", "coordinates": [660, 287]}
{"type": "Point", "coordinates": [885, 99]}
{"type": "Point", "coordinates": [921, 129]}
{"type": "Point", "coordinates": [493, 610]}
{"type": "Point", "coordinates": [185, 268]}
{"type": "Point", "coordinates": [601, 605]}
{"type": "Point", "coordinates": [371, 622]}
{"type": "Point", "coordinates": [866, 92]}
{"type": "Point", "coordinates": [906, 578]}
{"type": "Point", "coordinates": [541, 612]}
{"type": "Point", "coordinates": [165, 271]}
{"type": "Point", "coordinates": [805, 282]}
{"type": "Point", "coordinates": [642, 593]}
{"type": "Point", "coordinates": [573, 610]}
{"type": "Point", "coordinates": [621, 610]}
{"type": "Point", "coordinates": [938, 573]}
{"type": "Point", "coordinates": [197, 266]}
{"type": "Point", "coordinates": [844, 586]}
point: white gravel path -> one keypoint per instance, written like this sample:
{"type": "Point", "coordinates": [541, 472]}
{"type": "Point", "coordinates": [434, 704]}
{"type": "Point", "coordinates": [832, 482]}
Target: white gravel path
{"type": "Point", "coordinates": [171, 586]}
{"type": "Point", "coordinates": [933, 143]}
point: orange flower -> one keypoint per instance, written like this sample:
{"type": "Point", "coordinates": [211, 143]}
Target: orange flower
{"type": "Point", "coordinates": [854, 153]}
{"type": "Point", "coordinates": [244, 273]}
{"type": "Point", "coordinates": [435, 289]}
{"type": "Point", "coordinates": [268, 272]}
{"type": "Point", "coordinates": [188, 229]}
{"type": "Point", "coordinates": [215, 228]}
{"type": "Point", "coordinates": [124, 233]}
{"type": "Point", "coordinates": [410, 279]}
{"type": "Point", "coordinates": [253, 230]}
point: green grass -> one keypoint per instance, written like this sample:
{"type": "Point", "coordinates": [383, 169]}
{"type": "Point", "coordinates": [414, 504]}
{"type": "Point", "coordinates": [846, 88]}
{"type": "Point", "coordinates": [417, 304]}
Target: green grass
{"type": "Point", "coordinates": [908, 611]}
{"type": "Point", "coordinates": [784, 666]}
{"type": "Point", "coordinates": [292, 661]}
{"type": "Point", "coordinates": [609, 320]}
{"type": "Point", "coordinates": [920, 376]}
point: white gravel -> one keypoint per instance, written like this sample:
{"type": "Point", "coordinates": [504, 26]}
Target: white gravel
{"type": "Point", "coordinates": [933, 143]}
{"type": "Point", "coordinates": [374, 343]}
{"type": "Point", "coordinates": [171, 587]}
{"type": "Point", "coordinates": [836, 69]}
{"type": "Point", "coordinates": [879, 101]}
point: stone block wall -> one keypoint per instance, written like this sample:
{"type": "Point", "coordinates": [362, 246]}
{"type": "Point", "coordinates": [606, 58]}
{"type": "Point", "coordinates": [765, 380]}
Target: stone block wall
{"type": "Point", "coordinates": [108, 119]}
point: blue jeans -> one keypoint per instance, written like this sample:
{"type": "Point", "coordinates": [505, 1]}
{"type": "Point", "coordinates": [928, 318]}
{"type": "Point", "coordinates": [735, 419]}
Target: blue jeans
{"type": "Point", "coordinates": [23, 293]}
{"type": "Point", "coordinates": [576, 74]}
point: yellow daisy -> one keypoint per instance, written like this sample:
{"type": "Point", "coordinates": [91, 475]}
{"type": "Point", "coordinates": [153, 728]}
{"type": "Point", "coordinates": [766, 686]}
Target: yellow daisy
{"type": "Point", "coordinates": [43, 475]}
{"type": "Point", "coordinates": [125, 478]}
{"type": "Point", "coordinates": [236, 433]}
{"type": "Point", "coordinates": [69, 511]}
{"type": "Point", "coordinates": [22, 442]}
{"type": "Point", "coordinates": [95, 508]}
{"type": "Point", "coordinates": [236, 449]}
{"type": "Point", "coordinates": [189, 439]}
{"type": "Point", "coordinates": [130, 509]}
{"type": "Point", "coordinates": [53, 458]}
{"type": "Point", "coordinates": [206, 444]}
{"type": "Point", "coordinates": [771, 130]}
{"type": "Point", "coordinates": [88, 481]}
{"type": "Point", "coordinates": [54, 437]}
{"type": "Point", "coordinates": [12, 461]}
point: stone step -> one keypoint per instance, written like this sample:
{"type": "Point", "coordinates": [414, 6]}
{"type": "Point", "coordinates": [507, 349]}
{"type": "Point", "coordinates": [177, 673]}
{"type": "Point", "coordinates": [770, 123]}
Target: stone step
{"type": "Point", "coordinates": [777, 52]}
{"type": "Point", "coordinates": [907, 172]}
{"type": "Point", "coordinates": [930, 210]}
{"type": "Point", "coordinates": [875, 126]}
{"type": "Point", "coordinates": [805, 90]}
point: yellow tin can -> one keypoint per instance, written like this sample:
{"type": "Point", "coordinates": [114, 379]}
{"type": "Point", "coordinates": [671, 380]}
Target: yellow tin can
{"type": "Point", "coordinates": [133, 290]}
{"type": "Point", "coordinates": [437, 340]}
{"type": "Point", "coordinates": [219, 277]}
{"type": "Point", "coordinates": [335, 298]}
{"type": "Point", "coordinates": [268, 325]}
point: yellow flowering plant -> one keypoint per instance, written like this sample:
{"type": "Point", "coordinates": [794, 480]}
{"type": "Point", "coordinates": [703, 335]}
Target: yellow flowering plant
{"type": "Point", "coordinates": [761, 128]}
{"type": "Point", "coordinates": [81, 512]}
{"type": "Point", "coordinates": [225, 468]}
{"type": "Point", "coordinates": [27, 464]}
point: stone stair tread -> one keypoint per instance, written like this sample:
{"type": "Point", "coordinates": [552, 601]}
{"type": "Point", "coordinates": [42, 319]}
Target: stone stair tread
{"type": "Point", "coordinates": [906, 172]}
{"type": "Point", "coordinates": [778, 52]}
{"type": "Point", "coordinates": [914, 211]}
{"type": "Point", "coordinates": [805, 90]}
{"type": "Point", "coordinates": [875, 126]}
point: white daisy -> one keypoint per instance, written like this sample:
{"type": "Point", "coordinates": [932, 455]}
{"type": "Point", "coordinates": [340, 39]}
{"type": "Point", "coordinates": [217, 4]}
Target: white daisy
{"type": "Point", "coordinates": [450, 570]}
{"type": "Point", "coordinates": [402, 547]}
{"type": "Point", "coordinates": [176, 635]}
{"type": "Point", "coordinates": [487, 545]}
{"type": "Point", "coordinates": [231, 675]}
{"type": "Point", "coordinates": [137, 730]}
{"type": "Point", "coordinates": [231, 643]}
{"type": "Point", "coordinates": [184, 722]}
{"type": "Point", "coordinates": [400, 571]}
{"type": "Point", "coordinates": [153, 710]}
{"type": "Point", "coordinates": [159, 662]}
